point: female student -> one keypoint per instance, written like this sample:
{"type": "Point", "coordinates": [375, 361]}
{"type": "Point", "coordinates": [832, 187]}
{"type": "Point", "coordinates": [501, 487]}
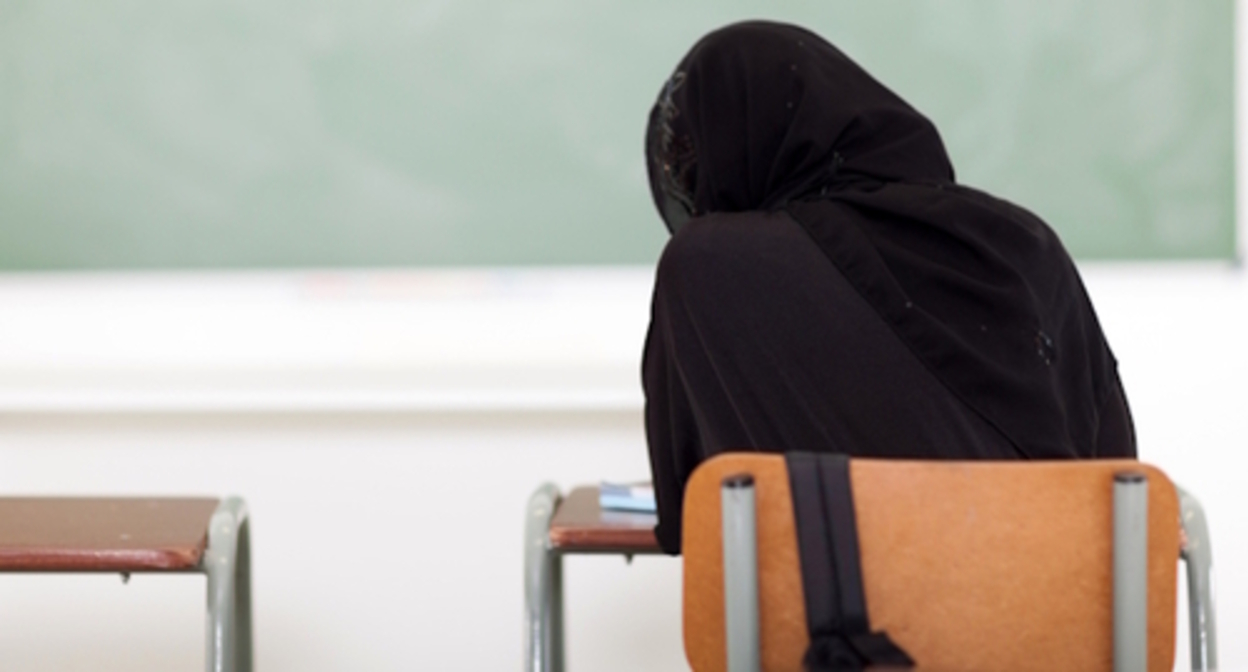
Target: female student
{"type": "Point", "coordinates": [829, 286]}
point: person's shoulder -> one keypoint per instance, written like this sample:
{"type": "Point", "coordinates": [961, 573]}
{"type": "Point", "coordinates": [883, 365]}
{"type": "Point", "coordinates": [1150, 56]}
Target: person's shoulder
{"type": "Point", "coordinates": [721, 220]}
{"type": "Point", "coordinates": [719, 240]}
{"type": "Point", "coordinates": [1002, 207]}
{"type": "Point", "coordinates": [700, 239]}
{"type": "Point", "coordinates": [719, 227]}
{"type": "Point", "coordinates": [718, 232]}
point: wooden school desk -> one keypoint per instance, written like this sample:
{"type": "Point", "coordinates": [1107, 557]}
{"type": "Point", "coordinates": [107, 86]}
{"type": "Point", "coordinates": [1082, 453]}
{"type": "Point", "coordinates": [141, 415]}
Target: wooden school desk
{"type": "Point", "coordinates": [127, 535]}
{"type": "Point", "coordinates": [556, 526]}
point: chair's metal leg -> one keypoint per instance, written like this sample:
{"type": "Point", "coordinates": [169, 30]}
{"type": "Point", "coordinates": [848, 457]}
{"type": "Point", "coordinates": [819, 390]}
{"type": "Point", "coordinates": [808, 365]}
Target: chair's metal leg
{"type": "Point", "coordinates": [740, 573]}
{"type": "Point", "coordinates": [543, 589]}
{"type": "Point", "coordinates": [1130, 572]}
{"type": "Point", "coordinates": [227, 562]}
{"type": "Point", "coordinates": [1198, 554]}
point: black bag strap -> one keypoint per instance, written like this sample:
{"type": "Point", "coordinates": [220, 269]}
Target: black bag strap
{"type": "Point", "coordinates": [827, 537]}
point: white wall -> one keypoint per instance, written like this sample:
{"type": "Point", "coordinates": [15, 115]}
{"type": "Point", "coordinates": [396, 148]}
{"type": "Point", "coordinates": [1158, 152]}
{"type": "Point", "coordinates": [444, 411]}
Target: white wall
{"type": "Point", "coordinates": [381, 542]}
{"type": "Point", "coordinates": [389, 539]}
{"type": "Point", "coordinates": [386, 429]}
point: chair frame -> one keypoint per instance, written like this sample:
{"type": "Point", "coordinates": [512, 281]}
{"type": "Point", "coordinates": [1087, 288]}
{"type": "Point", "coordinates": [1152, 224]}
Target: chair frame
{"type": "Point", "coordinates": [1197, 554]}
{"type": "Point", "coordinates": [1130, 559]}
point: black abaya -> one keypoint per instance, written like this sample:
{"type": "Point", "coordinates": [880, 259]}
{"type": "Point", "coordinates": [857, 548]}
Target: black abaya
{"type": "Point", "coordinates": [830, 288]}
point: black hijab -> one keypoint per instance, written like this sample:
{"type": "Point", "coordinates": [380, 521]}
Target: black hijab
{"type": "Point", "coordinates": [770, 117]}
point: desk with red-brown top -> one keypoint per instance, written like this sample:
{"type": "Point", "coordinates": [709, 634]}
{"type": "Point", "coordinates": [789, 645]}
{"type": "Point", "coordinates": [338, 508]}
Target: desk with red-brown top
{"type": "Point", "coordinates": [581, 526]}
{"type": "Point", "coordinates": [556, 526]}
{"type": "Point", "coordinates": [129, 535]}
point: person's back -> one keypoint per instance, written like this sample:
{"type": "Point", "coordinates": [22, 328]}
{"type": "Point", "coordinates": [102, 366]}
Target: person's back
{"type": "Point", "coordinates": [829, 287]}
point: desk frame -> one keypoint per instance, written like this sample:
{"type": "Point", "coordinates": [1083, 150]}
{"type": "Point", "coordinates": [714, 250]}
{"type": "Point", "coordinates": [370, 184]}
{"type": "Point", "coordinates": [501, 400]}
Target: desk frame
{"type": "Point", "coordinates": [543, 579]}
{"type": "Point", "coordinates": [226, 561]}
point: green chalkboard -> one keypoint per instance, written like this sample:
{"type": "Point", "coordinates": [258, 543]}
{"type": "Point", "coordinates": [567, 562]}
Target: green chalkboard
{"type": "Point", "coordinates": [296, 133]}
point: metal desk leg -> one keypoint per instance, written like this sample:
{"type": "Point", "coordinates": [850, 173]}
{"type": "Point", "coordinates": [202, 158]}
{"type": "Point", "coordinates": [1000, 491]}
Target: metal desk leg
{"type": "Point", "coordinates": [555, 618]}
{"type": "Point", "coordinates": [227, 562]}
{"type": "Point", "coordinates": [543, 586]}
{"type": "Point", "coordinates": [1198, 555]}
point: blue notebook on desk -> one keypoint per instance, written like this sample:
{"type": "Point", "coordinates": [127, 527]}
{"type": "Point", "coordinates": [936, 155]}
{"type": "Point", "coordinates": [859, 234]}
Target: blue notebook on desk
{"type": "Point", "coordinates": [638, 497]}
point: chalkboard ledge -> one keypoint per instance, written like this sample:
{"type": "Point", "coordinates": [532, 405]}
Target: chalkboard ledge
{"type": "Point", "coordinates": [491, 340]}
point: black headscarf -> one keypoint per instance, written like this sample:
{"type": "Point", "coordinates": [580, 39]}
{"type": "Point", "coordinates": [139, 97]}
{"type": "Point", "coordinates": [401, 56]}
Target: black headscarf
{"type": "Point", "coordinates": [769, 117]}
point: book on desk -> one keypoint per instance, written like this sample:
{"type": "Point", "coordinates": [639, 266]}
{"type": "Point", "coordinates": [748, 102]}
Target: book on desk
{"type": "Point", "coordinates": [632, 497]}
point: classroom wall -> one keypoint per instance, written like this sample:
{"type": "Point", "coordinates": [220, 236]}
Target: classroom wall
{"type": "Point", "coordinates": [388, 517]}
{"type": "Point", "coordinates": [387, 428]}
{"type": "Point", "coordinates": [380, 542]}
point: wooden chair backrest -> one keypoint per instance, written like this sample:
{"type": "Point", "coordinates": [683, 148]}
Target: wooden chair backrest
{"type": "Point", "coordinates": [968, 566]}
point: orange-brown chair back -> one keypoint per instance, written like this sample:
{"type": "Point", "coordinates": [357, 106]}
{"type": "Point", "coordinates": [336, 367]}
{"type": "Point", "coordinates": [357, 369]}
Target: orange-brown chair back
{"type": "Point", "coordinates": [968, 566]}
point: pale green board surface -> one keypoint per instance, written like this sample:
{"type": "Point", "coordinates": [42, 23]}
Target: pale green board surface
{"type": "Point", "coordinates": [279, 133]}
